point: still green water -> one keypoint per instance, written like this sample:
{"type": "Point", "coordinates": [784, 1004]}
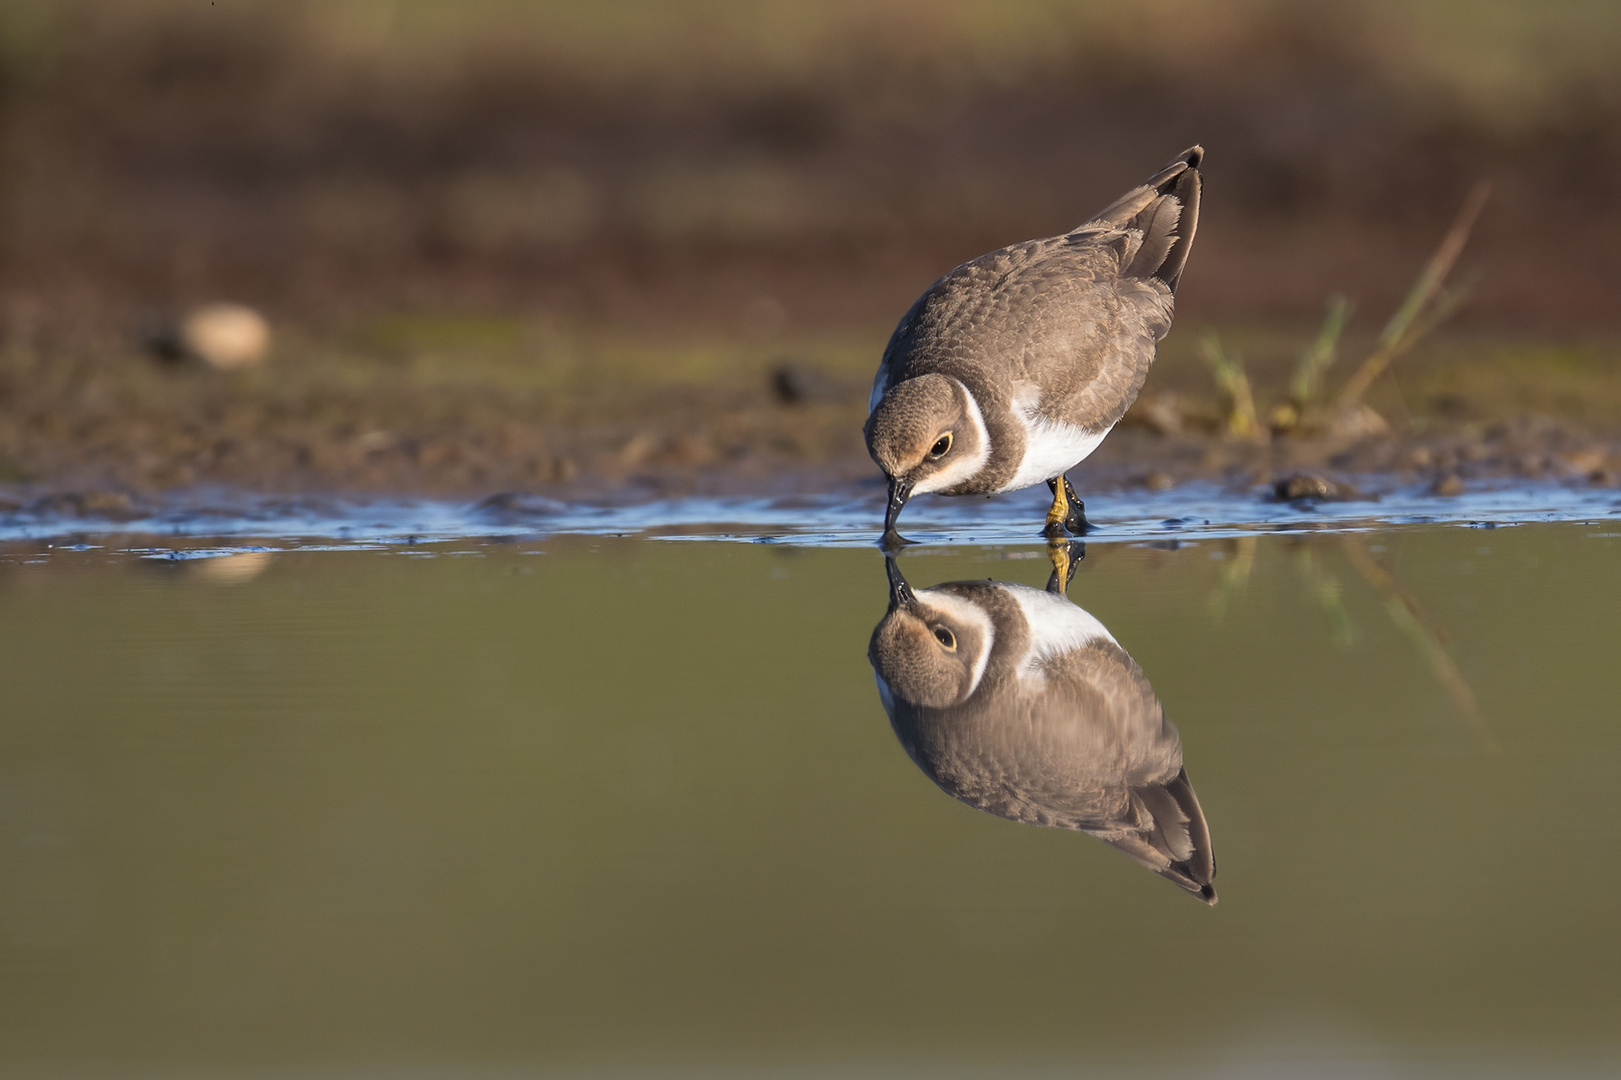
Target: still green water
{"type": "Point", "coordinates": [587, 804]}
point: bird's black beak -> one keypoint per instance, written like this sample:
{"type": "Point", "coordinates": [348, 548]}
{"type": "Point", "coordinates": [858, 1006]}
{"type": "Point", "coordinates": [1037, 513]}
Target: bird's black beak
{"type": "Point", "coordinates": [900, 593]}
{"type": "Point", "coordinates": [899, 492]}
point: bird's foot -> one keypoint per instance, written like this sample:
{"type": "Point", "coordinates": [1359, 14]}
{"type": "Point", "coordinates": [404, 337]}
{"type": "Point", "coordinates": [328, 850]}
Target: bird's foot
{"type": "Point", "coordinates": [1067, 514]}
{"type": "Point", "coordinates": [892, 541]}
{"type": "Point", "coordinates": [1075, 521]}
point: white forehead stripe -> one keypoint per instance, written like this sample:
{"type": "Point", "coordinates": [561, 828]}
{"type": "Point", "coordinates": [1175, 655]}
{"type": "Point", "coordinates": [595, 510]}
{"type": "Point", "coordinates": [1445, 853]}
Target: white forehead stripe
{"type": "Point", "coordinates": [972, 614]}
{"type": "Point", "coordinates": [966, 466]}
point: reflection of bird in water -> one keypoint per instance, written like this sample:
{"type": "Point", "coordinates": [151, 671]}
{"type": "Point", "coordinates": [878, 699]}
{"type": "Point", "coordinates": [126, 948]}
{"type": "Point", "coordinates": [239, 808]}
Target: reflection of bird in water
{"type": "Point", "coordinates": [1013, 367]}
{"type": "Point", "coordinates": [1019, 703]}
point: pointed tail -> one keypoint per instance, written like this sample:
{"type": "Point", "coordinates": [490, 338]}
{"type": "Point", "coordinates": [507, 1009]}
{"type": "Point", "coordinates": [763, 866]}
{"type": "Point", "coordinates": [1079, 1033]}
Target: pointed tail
{"type": "Point", "coordinates": [1165, 209]}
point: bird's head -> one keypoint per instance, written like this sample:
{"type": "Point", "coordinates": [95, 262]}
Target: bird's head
{"type": "Point", "coordinates": [927, 434]}
{"type": "Point", "coordinates": [930, 650]}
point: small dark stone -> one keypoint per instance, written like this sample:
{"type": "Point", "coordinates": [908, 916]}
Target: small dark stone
{"type": "Point", "coordinates": [796, 383]}
{"type": "Point", "coordinates": [516, 505]}
{"type": "Point", "coordinates": [1451, 406]}
{"type": "Point", "coordinates": [1303, 486]}
{"type": "Point", "coordinates": [161, 339]}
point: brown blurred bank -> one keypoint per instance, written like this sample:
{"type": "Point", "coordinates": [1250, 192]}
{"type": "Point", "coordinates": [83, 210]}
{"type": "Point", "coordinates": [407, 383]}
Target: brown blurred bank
{"type": "Point", "coordinates": [536, 245]}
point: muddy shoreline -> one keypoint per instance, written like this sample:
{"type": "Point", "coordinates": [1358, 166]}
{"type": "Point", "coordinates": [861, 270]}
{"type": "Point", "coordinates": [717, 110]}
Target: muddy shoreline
{"type": "Point", "coordinates": [115, 433]}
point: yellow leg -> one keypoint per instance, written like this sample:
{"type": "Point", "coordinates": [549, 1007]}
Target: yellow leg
{"type": "Point", "coordinates": [1068, 513]}
{"type": "Point", "coordinates": [1059, 510]}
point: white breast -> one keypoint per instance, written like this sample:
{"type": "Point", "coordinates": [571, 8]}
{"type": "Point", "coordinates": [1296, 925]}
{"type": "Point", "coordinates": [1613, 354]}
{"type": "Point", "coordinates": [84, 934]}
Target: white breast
{"type": "Point", "coordinates": [1057, 626]}
{"type": "Point", "coordinates": [1051, 447]}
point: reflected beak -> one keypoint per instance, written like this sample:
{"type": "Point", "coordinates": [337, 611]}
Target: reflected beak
{"type": "Point", "coordinates": [900, 593]}
{"type": "Point", "coordinates": [899, 492]}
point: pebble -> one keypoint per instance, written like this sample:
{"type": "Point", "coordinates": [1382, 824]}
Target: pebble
{"type": "Point", "coordinates": [225, 336]}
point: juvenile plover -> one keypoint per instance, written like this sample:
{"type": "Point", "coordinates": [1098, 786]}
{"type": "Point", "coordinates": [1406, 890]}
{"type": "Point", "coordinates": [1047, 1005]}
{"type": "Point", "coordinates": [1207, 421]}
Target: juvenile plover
{"type": "Point", "coordinates": [1012, 368]}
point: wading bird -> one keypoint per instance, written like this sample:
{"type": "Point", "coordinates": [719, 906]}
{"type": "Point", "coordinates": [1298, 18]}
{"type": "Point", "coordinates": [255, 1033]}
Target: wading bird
{"type": "Point", "coordinates": [1013, 367]}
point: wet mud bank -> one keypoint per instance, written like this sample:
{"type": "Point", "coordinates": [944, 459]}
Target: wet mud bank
{"type": "Point", "coordinates": [108, 432]}
{"type": "Point", "coordinates": [1142, 487]}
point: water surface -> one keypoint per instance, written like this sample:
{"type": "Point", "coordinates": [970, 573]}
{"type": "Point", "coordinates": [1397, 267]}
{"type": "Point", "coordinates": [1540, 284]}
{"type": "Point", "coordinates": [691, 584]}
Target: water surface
{"type": "Point", "coordinates": [574, 804]}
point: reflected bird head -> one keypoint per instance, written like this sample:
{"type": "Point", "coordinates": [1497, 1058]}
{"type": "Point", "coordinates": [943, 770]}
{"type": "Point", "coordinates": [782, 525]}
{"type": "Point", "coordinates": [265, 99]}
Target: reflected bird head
{"type": "Point", "coordinates": [931, 649]}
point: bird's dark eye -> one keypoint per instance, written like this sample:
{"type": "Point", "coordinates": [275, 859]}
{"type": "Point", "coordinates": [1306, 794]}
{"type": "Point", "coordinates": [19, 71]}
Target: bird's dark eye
{"type": "Point", "coordinates": [945, 637]}
{"type": "Point", "coordinates": [941, 445]}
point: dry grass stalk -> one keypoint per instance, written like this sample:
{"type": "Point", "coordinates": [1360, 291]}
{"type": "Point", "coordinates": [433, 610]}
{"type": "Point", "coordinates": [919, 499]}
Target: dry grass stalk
{"type": "Point", "coordinates": [1320, 354]}
{"type": "Point", "coordinates": [1314, 362]}
{"type": "Point", "coordinates": [1425, 305]}
{"type": "Point", "coordinates": [1230, 377]}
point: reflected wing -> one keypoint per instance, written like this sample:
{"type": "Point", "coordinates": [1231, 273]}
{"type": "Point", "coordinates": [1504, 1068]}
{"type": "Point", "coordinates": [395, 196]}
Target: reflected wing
{"type": "Point", "coordinates": [1171, 836]}
{"type": "Point", "coordinates": [1158, 820]}
{"type": "Point", "coordinates": [1080, 742]}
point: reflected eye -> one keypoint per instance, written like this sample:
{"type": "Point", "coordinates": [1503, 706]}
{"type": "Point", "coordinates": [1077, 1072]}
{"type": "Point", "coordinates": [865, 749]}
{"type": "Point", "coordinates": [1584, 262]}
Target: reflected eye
{"type": "Point", "coordinates": [941, 445]}
{"type": "Point", "coordinates": [945, 637]}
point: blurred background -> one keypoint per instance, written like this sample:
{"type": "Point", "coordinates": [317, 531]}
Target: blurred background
{"type": "Point", "coordinates": [592, 233]}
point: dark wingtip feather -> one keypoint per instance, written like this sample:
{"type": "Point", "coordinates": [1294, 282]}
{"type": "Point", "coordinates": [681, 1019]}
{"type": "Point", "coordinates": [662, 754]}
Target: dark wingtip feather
{"type": "Point", "coordinates": [1174, 840]}
{"type": "Point", "coordinates": [1184, 187]}
{"type": "Point", "coordinates": [1200, 865]}
{"type": "Point", "coordinates": [1165, 209]}
{"type": "Point", "coordinates": [1182, 163]}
